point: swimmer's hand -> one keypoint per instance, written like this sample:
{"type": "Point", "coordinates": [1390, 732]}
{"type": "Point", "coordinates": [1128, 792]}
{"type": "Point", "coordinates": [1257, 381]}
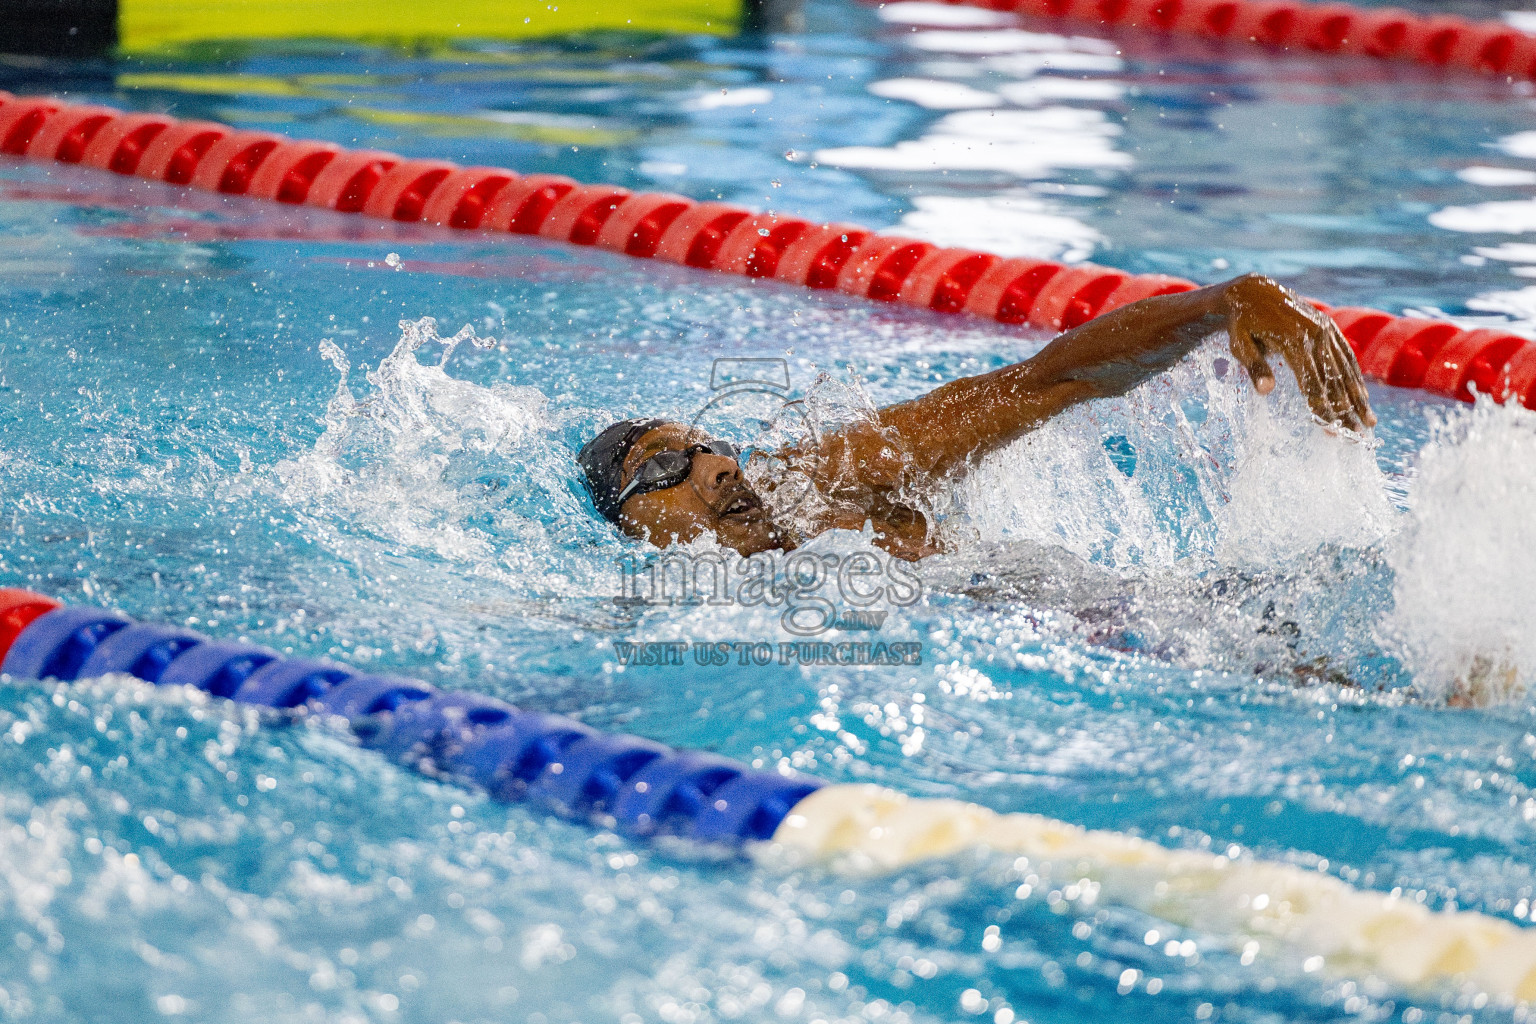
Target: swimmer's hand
{"type": "Point", "coordinates": [1263, 320]}
{"type": "Point", "coordinates": [1266, 319]}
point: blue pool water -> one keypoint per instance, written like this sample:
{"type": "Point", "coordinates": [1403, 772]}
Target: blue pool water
{"type": "Point", "coordinates": [1186, 615]}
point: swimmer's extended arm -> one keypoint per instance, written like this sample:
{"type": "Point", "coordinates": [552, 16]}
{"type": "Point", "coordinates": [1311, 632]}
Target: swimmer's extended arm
{"type": "Point", "coordinates": [959, 422]}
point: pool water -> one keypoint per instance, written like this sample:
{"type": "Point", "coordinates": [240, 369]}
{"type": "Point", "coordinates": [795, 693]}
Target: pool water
{"type": "Point", "coordinates": [1187, 614]}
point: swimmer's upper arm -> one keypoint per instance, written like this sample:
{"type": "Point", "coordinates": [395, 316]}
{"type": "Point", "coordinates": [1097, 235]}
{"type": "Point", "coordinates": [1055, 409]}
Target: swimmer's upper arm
{"type": "Point", "coordinates": [959, 422]}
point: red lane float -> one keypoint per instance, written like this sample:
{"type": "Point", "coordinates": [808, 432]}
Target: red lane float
{"type": "Point", "coordinates": [522, 206]}
{"type": "Point", "coordinates": [19, 609]}
{"type": "Point", "coordinates": [230, 162]}
{"type": "Point", "coordinates": [697, 235]}
{"type": "Point", "coordinates": [20, 119]}
{"type": "Point", "coordinates": [402, 193]}
{"type": "Point", "coordinates": [345, 183]}
{"type": "Point", "coordinates": [289, 171]}
{"type": "Point", "coordinates": [580, 214]}
{"type": "Point", "coordinates": [175, 153]}
{"type": "Point", "coordinates": [1430, 355]}
{"type": "Point", "coordinates": [1441, 41]}
{"type": "Point", "coordinates": [66, 135]}
{"type": "Point", "coordinates": [461, 199]}
{"type": "Point", "coordinates": [120, 144]}
{"type": "Point", "coordinates": [638, 225]}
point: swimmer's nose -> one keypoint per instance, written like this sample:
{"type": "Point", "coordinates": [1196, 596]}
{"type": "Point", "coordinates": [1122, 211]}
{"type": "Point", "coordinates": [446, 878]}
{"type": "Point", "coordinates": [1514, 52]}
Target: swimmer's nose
{"type": "Point", "coordinates": [716, 472]}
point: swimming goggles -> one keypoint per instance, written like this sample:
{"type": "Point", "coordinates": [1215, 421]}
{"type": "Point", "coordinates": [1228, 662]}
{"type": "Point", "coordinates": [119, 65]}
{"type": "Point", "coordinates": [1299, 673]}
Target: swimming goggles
{"type": "Point", "coordinates": [672, 467]}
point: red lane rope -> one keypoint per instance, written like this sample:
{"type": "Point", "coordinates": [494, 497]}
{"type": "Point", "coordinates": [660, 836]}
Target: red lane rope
{"type": "Point", "coordinates": [1442, 41]}
{"type": "Point", "coordinates": [1407, 352]}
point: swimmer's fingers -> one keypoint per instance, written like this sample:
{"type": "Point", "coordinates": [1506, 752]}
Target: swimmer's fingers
{"type": "Point", "coordinates": [1266, 319]}
{"type": "Point", "coordinates": [1301, 356]}
{"type": "Point", "coordinates": [1343, 407]}
{"type": "Point", "coordinates": [1308, 345]}
{"type": "Point", "coordinates": [1351, 393]}
{"type": "Point", "coordinates": [1248, 349]}
{"type": "Point", "coordinates": [1358, 394]}
{"type": "Point", "coordinates": [1354, 382]}
{"type": "Point", "coordinates": [1336, 368]}
{"type": "Point", "coordinates": [1325, 390]}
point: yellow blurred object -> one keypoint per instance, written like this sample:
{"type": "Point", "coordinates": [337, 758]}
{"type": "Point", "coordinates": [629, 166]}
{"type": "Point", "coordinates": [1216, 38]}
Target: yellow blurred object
{"type": "Point", "coordinates": [157, 24]}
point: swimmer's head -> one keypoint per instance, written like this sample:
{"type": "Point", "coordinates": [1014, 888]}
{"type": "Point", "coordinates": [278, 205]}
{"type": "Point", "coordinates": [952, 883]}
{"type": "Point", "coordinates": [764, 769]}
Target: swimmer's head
{"type": "Point", "coordinates": [669, 483]}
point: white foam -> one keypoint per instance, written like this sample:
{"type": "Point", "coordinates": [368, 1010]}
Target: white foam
{"type": "Point", "coordinates": [1465, 563]}
{"type": "Point", "coordinates": [1221, 475]}
{"type": "Point", "coordinates": [384, 459]}
{"type": "Point", "coordinates": [1292, 486]}
{"type": "Point", "coordinates": [424, 461]}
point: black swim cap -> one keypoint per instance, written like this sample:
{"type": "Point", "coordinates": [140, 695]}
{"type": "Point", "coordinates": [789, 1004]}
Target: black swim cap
{"type": "Point", "coordinates": [602, 459]}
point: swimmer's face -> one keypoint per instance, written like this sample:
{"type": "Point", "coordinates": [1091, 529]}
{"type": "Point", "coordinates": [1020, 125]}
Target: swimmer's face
{"type": "Point", "coordinates": [713, 499]}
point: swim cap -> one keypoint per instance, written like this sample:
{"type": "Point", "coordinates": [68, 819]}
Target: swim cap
{"type": "Point", "coordinates": [602, 460]}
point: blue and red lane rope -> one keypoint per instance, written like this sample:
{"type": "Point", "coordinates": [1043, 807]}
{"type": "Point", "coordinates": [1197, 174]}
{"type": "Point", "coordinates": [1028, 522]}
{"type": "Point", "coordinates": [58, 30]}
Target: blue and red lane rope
{"type": "Point", "coordinates": [1409, 352]}
{"type": "Point", "coordinates": [638, 786]}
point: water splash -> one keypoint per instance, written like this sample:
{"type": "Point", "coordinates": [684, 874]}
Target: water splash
{"type": "Point", "coordinates": [1466, 560]}
{"type": "Point", "coordinates": [1193, 521]}
{"type": "Point", "coordinates": [830, 404]}
{"type": "Point", "coordinates": [469, 476]}
{"type": "Point", "coordinates": [1191, 469]}
{"type": "Point", "coordinates": [386, 463]}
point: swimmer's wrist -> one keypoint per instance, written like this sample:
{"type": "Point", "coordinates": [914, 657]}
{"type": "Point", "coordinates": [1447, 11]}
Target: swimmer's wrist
{"type": "Point", "coordinates": [1230, 294]}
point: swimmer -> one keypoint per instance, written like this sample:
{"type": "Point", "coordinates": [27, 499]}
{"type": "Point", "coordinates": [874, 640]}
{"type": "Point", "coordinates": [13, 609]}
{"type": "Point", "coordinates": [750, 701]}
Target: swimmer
{"type": "Point", "coordinates": [665, 483]}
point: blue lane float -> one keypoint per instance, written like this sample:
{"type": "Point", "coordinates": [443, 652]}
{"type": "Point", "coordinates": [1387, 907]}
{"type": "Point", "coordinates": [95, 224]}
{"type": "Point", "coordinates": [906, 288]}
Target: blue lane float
{"type": "Point", "coordinates": [641, 787]}
{"type": "Point", "coordinates": [644, 789]}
